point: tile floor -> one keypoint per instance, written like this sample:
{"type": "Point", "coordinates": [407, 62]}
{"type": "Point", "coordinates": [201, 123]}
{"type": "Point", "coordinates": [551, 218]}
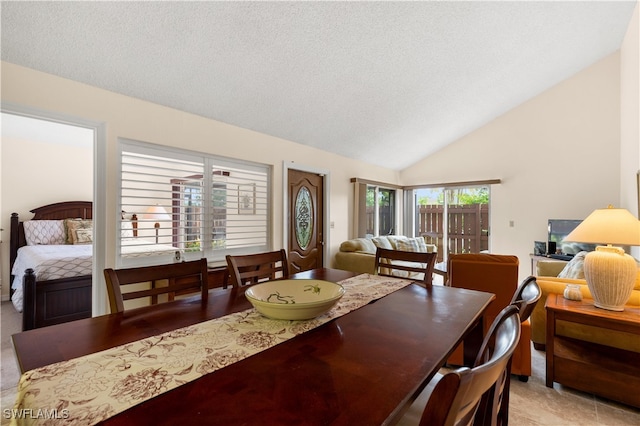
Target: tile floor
{"type": "Point", "coordinates": [10, 323]}
{"type": "Point", "coordinates": [532, 403]}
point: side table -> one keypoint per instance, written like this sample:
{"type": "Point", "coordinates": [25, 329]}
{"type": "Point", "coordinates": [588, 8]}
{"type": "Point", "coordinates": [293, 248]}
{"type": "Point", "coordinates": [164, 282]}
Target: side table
{"type": "Point", "coordinates": [602, 370]}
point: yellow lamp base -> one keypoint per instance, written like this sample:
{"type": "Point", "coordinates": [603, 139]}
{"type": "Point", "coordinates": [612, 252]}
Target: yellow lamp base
{"type": "Point", "coordinates": [611, 275]}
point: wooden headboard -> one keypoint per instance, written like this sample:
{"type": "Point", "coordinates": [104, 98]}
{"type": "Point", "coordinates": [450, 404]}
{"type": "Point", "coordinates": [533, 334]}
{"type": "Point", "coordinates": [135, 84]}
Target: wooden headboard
{"type": "Point", "coordinates": [63, 210]}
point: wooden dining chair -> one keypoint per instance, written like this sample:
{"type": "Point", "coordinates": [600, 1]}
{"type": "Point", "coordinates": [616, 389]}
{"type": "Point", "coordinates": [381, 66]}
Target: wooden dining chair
{"type": "Point", "coordinates": [169, 279]}
{"type": "Point", "coordinates": [455, 398]}
{"type": "Point", "coordinates": [525, 299]}
{"type": "Point", "coordinates": [254, 268]}
{"type": "Point", "coordinates": [406, 264]}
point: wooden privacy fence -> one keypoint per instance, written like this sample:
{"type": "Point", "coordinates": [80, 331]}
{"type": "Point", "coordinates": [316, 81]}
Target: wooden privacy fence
{"type": "Point", "coordinates": [467, 230]}
{"type": "Point", "coordinates": [385, 220]}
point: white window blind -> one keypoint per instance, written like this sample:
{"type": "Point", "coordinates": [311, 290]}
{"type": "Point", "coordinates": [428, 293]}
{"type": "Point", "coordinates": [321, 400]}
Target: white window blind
{"type": "Point", "coordinates": [179, 205]}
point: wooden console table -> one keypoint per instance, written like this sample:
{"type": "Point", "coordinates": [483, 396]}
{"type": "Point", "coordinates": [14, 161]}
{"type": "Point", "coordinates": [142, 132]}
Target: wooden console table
{"type": "Point", "coordinates": [602, 370]}
{"type": "Point", "coordinates": [218, 276]}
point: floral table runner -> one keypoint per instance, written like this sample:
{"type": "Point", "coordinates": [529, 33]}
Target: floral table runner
{"type": "Point", "coordinates": [92, 388]}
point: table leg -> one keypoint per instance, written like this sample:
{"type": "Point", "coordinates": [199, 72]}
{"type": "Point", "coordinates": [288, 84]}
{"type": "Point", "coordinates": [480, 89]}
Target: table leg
{"type": "Point", "coordinates": [551, 332]}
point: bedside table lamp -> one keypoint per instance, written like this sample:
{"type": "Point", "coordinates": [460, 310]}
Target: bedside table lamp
{"type": "Point", "coordinates": [159, 214]}
{"type": "Point", "coordinates": [610, 272]}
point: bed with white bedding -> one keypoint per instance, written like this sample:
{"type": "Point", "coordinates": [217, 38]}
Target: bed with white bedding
{"type": "Point", "coordinates": [53, 262]}
{"type": "Point", "coordinates": [51, 271]}
{"type": "Point", "coordinates": [49, 262]}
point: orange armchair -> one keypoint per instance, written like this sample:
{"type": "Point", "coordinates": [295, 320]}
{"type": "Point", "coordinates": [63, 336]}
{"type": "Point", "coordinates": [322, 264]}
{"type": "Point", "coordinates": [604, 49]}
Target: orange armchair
{"type": "Point", "coordinates": [498, 274]}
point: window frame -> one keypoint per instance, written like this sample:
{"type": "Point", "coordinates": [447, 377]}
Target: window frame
{"type": "Point", "coordinates": [360, 226]}
{"type": "Point", "coordinates": [261, 225]}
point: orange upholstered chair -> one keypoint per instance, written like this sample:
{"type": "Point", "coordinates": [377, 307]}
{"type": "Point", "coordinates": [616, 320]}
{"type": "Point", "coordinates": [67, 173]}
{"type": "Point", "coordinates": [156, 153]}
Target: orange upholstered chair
{"type": "Point", "coordinates": [496, 274]}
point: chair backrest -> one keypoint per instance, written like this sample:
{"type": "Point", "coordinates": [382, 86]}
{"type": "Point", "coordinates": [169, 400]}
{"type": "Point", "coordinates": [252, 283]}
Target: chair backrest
{"type": "Point", "coordinates": [406, 264]}
{"type": "Point", "coordinates": [170, 279]}
{"type": "Point", "coordinates": [456, 398]}
{"type": "Point", "coordinates": [492, 273]}
{"type": "Point", "coordinates": [254, 268]}
{"type": "Point", "coordinates": [526, 297]}
{"type": "Point", "coordinates": [495, 403]}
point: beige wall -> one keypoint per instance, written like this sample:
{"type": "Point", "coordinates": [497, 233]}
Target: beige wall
{"type": "Point", "coordinates": [630, 118]}
{"type": "Point", "coordinates": [558, 156]}
{"type": "Point", "coordinates": [630, 113]}
{"type": "Point", "coordinates": [135, 119]}
{"type": "Point", "coordinates": [37, 173]}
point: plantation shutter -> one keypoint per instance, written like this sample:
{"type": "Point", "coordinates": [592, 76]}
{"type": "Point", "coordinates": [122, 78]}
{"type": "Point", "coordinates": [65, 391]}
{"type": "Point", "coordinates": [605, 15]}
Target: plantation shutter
{"type": "Point", "coordinates": [178, 205]}
{"type": "Point", "coordinates": [246, 211]}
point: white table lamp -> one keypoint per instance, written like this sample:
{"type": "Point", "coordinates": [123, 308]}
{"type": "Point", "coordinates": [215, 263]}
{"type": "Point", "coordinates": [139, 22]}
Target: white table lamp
{"type": "Point", "coordinates": [159, 214]}
{"type": "Point", "coordinates": [609, 271]}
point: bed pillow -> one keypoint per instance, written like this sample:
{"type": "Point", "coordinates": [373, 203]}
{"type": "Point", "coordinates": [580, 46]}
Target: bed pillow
{"type": "Point", "coordinates": [126, 230]}
{"type": "Point", "coordinates": [44, 232]}
{"type": "Point", "coordinates": [73, 225]}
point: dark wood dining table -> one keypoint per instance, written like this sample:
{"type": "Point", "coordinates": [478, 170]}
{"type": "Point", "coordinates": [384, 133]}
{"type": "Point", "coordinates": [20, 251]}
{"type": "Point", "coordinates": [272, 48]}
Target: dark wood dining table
{"type": "Point", "coordinates": [362, 368]}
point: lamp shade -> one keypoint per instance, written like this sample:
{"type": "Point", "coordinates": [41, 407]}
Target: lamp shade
{"type": "Point", "coordinates": [608, 226]}
{"type": "Point", "coordinates": [157, 213]}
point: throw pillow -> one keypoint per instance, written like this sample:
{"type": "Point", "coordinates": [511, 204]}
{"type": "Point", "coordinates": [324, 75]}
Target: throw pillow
{"type": "Point", "coordinates": [367, 246]}
{"type": "Point", "coordinates": [422, 245]}
{"type": "Point", "coordinates": [393, 239]}
{"type": "Point", "coordinates": [83, 236]}
{"type": "Point", "coordinates": [411, 244]}
{"type": "Point", "coordinates": [575, 268]}
{"type": "Point", "coordinates": [72, 225]}
{"type": "Point", "coordinates": [44, 232]}
{"type": "Point", "coordinates": [382, 242]}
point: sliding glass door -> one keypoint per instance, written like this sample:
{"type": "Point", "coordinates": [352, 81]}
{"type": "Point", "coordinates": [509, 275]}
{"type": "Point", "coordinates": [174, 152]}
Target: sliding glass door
{"type": "Point", "coordinates": [455, 219]}
{"type": "Point", "coordinates": [381, 204]}
{"type": "Point", "coordinates": [377, 210]}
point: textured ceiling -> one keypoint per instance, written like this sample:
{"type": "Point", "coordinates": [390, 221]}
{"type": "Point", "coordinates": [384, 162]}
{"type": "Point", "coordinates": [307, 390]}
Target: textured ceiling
{"type": "Point", "coordinates": [385, 82]}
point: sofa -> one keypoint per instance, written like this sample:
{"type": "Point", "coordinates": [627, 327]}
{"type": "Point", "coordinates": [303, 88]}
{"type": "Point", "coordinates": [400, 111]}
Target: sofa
{"type": "Point", "coordinates": [359, 254]}
{"type": "Point", "coordinates": [553, 277]}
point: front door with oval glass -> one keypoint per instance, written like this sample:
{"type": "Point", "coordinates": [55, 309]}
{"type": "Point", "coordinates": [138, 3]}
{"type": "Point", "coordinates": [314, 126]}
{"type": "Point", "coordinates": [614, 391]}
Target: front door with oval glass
{"type": "Point", "coordinates": [305, 245]}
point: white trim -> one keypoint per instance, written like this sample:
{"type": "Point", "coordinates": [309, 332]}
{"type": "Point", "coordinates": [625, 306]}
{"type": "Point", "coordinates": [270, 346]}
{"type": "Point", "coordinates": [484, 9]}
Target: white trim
{"type": "Point", "coordinates": [326, 176]}
{"type": "Point", "coordinates": [99, 293]}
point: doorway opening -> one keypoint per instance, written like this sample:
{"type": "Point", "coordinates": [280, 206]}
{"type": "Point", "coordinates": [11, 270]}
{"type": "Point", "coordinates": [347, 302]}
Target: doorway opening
{"type": "Point", "coordinates": [44, 161]}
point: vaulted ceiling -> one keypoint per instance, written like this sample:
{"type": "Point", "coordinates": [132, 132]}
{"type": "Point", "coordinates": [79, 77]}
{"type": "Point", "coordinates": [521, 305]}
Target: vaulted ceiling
{"type": "Point", "coordinates": [388, 83]}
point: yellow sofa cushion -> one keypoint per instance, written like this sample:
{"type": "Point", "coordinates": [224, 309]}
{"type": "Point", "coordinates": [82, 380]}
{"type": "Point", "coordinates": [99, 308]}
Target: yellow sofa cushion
{"type": "Point", "coordinates": [363, 245]}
